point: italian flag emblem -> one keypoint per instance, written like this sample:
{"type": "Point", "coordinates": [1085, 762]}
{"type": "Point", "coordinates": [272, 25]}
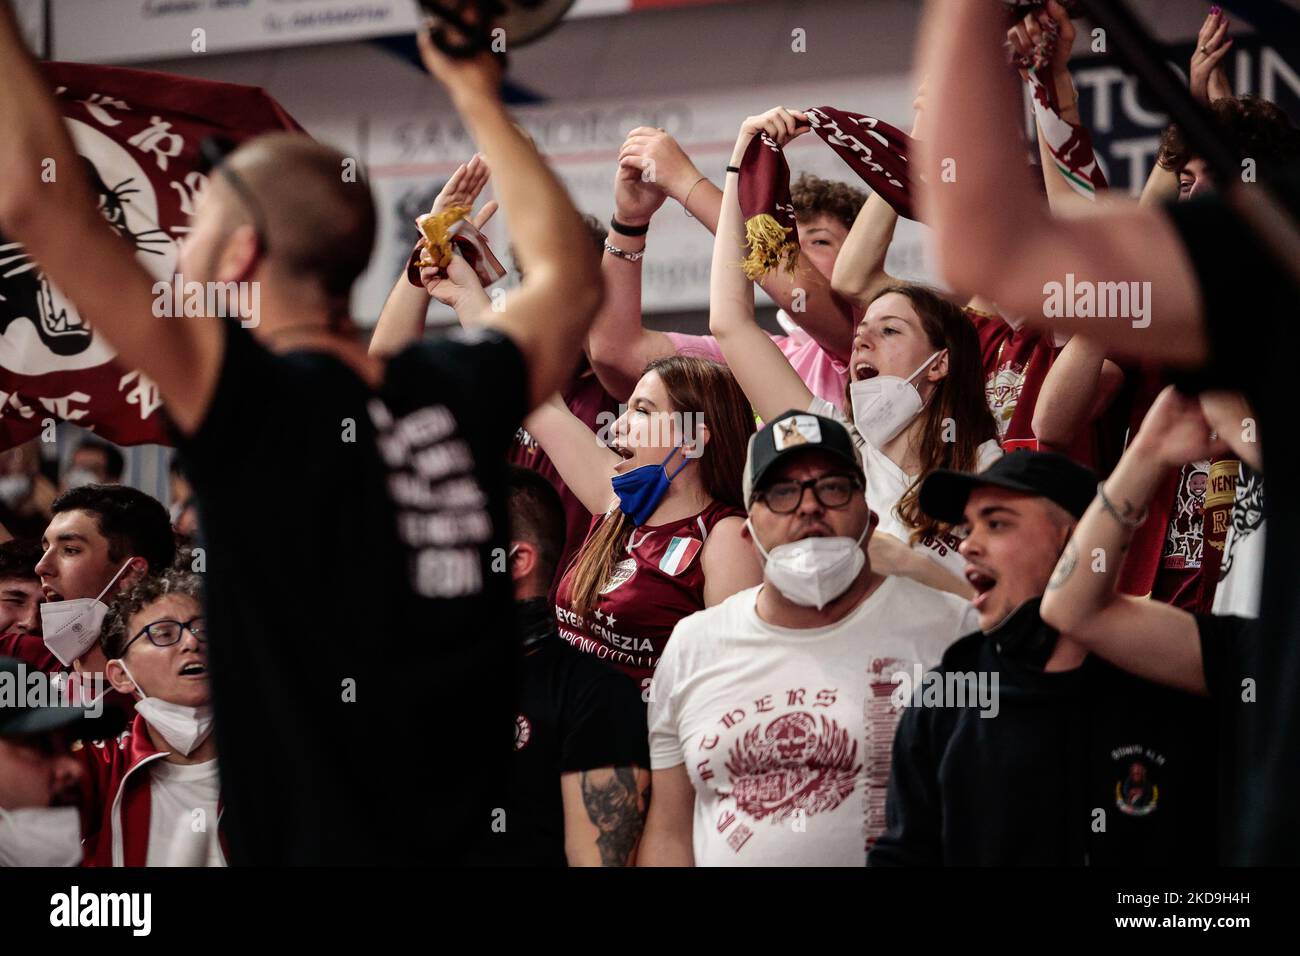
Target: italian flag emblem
{"type": "Point", "coordinates": [679, 555]}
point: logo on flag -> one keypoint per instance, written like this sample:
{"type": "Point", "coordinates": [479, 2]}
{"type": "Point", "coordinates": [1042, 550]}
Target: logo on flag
{"type": "Point", "coordinates": [679, 554]}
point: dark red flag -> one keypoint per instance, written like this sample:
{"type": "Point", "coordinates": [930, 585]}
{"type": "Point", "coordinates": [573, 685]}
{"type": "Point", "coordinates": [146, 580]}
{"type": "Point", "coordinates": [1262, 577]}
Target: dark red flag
{"type": "Point", "coordinates": [138, 134]}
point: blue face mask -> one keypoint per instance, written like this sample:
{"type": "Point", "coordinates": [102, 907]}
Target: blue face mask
{"type": "Point", "coordinates": [641, 489]}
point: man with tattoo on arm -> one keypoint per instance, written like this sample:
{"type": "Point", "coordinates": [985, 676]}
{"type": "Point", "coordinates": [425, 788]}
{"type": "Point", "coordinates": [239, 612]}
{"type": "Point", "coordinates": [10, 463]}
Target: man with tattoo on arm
{"type": "Point", "coordinates": [1121, 772]}
{"type": "Point", "coordinates": [579, 778]}
{"type": "Point", "coordinates": [1201, 653]}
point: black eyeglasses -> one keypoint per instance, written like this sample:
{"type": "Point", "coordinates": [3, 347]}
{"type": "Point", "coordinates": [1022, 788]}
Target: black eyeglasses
{"type": "Point", "coordinates": [213, 151]}
{"type": "Point", "coordinates": [831, 491]}
{"type": "Point", "coordinates": [166, 633]}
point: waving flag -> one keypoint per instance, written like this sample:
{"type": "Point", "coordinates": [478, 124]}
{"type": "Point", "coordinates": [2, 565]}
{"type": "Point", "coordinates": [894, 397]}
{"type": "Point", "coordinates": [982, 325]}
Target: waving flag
{"type": "Point", "coordinates": [138, 134]}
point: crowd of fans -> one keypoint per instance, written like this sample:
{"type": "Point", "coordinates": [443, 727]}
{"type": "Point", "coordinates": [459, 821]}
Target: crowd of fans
{"type": "Point", "coordinates": [932, 578]}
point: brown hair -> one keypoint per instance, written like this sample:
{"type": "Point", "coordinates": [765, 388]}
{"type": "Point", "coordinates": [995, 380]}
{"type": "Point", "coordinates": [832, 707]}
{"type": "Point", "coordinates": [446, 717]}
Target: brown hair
{"type": "Point", "coordinates": [813, 196]}
{"type": "Point", "coordinates": [1252, 127]}
{"type": "Point", "coordinates": [957, 398]}
{"type": "Point", "coordinates": [113, 637]}
{"type": "Point", "coordinates": [693, 385]}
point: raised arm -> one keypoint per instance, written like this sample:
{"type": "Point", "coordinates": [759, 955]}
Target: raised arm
{"type": "Point", "coordinates": [402, 319]}
{"type": "Point", "coordinates": [584, 463]}
{"type": "Point", "coordinates": [619, 346]}
{"type": "Point", "coordinates": [57, 219]}
{"type": "Point", "coordinates": [1148, 638]}
{"type": "Point", "coordinates": [768, 379]}
{"type": "Point", "coordinates": [549, 314]}
{"type": "Point", "coordinates": [1077, 389]}
{"type": "Point", "coordinates": [826, 316]}
{"type": "Point", "coordinates": [992, 232]}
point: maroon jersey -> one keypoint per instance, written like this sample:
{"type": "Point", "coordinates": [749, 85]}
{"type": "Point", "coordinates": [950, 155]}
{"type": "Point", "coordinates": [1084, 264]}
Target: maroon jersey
{"type": "Point", "coordinates": [594, 407]}
{"type": "Point", "coordinates": [658, 583]}
{"type": "Point", "coordinates": [1016, 361]}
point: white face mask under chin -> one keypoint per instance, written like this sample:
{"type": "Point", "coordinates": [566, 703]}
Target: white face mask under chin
{"type": "Point", "coordinates": [40, 836]}
{"type": "Point", "coordinates": [184, 728]}
{"type": "Point", "coordinates": [813, 572]}
{"type": "Point", "coordinates": [883, 406]}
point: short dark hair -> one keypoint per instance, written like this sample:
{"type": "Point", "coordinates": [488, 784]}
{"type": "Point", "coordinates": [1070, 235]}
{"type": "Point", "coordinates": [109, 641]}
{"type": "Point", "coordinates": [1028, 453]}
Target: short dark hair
{"type": "Point", "coordinates": [537, 516]}
{"type": "Point", "coordinates": [114, 462]}
{"type": "Point", "coordinates": [18, 559]}
{"type": "Point", "coordinates": [813, 196]}
{"type": "Point", "coordinates": [114, 635]}
{"type": "Point", "coordinates": [1252, 127]}
{"type": "Point", "coordinates": [134, 523]}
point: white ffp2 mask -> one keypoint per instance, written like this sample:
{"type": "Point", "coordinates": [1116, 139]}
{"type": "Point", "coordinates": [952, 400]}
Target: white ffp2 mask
{"type": "Point", "coordinates": [883, 406]}
{"type": "Point", "coordinates": [70, 628]}
{"type": "Point", "coordinates": [813, 572]}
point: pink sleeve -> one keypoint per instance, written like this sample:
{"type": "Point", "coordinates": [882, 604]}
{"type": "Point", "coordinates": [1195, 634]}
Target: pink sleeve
{"type": "Point", "coordinates": [696, 346]}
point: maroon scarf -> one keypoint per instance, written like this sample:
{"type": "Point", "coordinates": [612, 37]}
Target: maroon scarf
{"type": "Point", "coordinates": [874, 150]}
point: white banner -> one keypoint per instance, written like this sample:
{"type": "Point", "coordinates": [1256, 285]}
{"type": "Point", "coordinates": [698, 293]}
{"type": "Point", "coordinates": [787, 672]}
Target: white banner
{"type": "Point", "coordinates": [127, 31]}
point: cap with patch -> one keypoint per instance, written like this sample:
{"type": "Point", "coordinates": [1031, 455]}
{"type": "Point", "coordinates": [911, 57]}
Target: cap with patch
{"type": "Point", "coordinates": [1049, 475]}
{"type": "Point", "coordinates": [793, 433]}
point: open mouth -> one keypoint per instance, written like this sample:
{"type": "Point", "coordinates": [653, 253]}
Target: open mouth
{"type": "Point", "coordinates": [982, 583]}
{"type": "Point", "coordinates": [193, 669]}
{"type": "Point", "coordinates": [863, 371]}
{"type": "Point", "coordinates": [51, 594]}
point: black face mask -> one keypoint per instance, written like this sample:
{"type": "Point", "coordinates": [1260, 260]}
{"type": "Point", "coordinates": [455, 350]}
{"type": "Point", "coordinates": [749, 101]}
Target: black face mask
{"type": "Point", "coordinates": [1024, 636]}
{"type": "Point", "coordinates": [535, 619]}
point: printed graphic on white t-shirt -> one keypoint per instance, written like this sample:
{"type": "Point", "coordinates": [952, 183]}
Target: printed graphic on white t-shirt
{"type": "Point", "coordinates": [1241, 575]}
{"type": "Point", "coordinates": [787, 734]}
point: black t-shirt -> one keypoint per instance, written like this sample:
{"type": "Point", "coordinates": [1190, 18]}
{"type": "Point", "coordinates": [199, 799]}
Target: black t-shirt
{"type": "Point", "coordinates": [1090, 766]}
{"type": "Point", "coordinates": [362, 646]}
{"type": "Point", "coordinates": [575, 713]}
{"type": "Point", "coordinates": [1250, 318]}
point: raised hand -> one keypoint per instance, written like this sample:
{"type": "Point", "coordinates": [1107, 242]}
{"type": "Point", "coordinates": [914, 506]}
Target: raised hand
{"type": "Point", "coordinates": [1206, 77]}
{"type": "Point", "coordinates": [637, 192]}
{"type": "Point", "coordinates": [1175, 431]}
{"type": "Point", "coordinates": [663, 157]}
{"type": "Point", "coordinates": [463, 189]}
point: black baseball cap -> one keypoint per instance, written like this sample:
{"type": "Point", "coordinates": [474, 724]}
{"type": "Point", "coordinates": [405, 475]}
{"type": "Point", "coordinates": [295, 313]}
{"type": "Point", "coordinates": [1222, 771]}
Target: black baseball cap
{"type": "Point", "coordinates": [793, 433]}
{"type": "Point", "coordinates": [1044, 473]}
{"type": "Point", "coordinates": [19, 719]}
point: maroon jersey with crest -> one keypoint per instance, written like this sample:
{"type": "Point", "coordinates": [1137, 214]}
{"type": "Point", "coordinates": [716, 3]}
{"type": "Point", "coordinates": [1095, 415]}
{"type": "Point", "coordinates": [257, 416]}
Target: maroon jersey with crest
{"type": "Point", "coordinates": [656, 584]}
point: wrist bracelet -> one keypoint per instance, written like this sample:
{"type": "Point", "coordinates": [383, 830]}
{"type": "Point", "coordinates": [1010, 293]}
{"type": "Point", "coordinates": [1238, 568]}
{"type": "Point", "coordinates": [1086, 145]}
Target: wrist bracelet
{"type": "Point", "coordinates": [1130, 523]}
{"type": "Point", "coordinates": [618, 253]}
{"type": "Point", "coordinates": [623, 229]}
{"type": "Point", "coordinates": [686, 203]}
{"type": "Point", "coordinates": [733, 169]}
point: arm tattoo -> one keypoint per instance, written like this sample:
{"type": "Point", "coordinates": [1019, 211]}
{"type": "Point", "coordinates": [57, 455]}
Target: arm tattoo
{"type": "Point", "coordinates": [1065, 567]}
{"type": "Point", "coordinates": [611, 798]}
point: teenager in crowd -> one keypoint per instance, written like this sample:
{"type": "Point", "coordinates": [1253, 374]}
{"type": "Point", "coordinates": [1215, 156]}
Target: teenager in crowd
{"type": "Point", "coordinates": [151, 796]}
{"type": "Point", "coordinates": [1207, 268]}
{"type": "Point", "coordinates": [458, 287]}
{"type": "Point", "coordinates": [580, 775]}
{"type": "Point", "coordinates": [916, 397]}
{"type": "Point", "coordinates": [770, 714]}
{"type": "Point", "coordinates": [39, 774]}
{"type": "Point", "coordinates": [20, 601]}
{"type": "Point", "coordinates": [407, 458]}
{"type": "Point", "coordinates": [664, 487]}
{"type": "Point", "coordinates": [1123, 770]}
{"type": "Point", "coordinates": [101, 540]}
{"type": "Point", "coordinates": [653, 167]}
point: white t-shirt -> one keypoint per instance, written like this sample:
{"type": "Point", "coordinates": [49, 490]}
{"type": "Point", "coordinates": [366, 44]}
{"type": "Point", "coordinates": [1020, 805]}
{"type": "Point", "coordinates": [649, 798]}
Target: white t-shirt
{"type": "Point", "coordinates": [887, 483]}
{"type": "Point", "coordinates": [183, 815]}
{"type": "Point", "coordinates": [1241, 575]}
{"type": "Point", "coordinates": [786, 734]}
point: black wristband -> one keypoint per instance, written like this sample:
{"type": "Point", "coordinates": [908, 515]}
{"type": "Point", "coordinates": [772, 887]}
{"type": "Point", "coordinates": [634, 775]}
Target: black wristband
{"type": "Point", "coordinates": [623, 229]}
{"type": "Point", "coordinates": [733, 169]}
